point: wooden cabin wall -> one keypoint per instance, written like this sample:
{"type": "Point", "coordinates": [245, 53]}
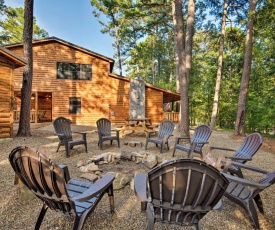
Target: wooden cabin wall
{"type": "Point", "coordinates": [6, 98]}
{"type": "Point", "coordinates": [103, 96]}
{"type": "Point", "coordinates": [153, 104]}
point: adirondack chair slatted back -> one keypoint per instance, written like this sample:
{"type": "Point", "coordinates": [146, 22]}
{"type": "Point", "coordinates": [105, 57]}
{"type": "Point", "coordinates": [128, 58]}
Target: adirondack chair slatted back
{"type": "Point", "coordinates": [202, 133]}
{"type": "Point", "coordinates": [184, 190]}
{"type": "Point", "coordinates": [166, 128]}
{"type": "Point", "coordinates": [62, 125]}
{"type": "Point", "coordinates": [249, 147]}
{"type": "Point", "coordinates": [44, 178]}
{"type": "Point", "coordinates": [104, 126]}
{"type": "Point", "coordinates": [52, 184]}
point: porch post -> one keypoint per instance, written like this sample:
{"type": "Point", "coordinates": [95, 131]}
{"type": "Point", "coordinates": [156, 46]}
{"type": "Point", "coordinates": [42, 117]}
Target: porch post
{"type": "Point", "coordinates": [36, 107]}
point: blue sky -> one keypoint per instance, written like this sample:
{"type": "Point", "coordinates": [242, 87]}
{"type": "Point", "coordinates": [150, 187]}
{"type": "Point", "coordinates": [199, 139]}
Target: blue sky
{"type": "Point", "coordinates": [70, 20]}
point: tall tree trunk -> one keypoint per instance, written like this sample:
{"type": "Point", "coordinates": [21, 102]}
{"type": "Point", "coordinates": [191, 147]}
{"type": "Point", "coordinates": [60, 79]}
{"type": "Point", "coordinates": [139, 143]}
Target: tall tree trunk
{"type": "Point", "coordinates": [118, 51]}
{"type": "Point", "coordinates": [24, 128]}
{"type": "Point", "coordinates": [188, 62]}
{"type": "Point", "coordinates": [219, 71]}
{"type": "Point", "coordinates": [180, 65]}
{"type": "Point", "coordinates": [240, 119]}
{"type": "Point", "coordinates": [179, 40]}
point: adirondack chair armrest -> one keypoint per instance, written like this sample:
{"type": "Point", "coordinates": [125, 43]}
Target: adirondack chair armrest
{"type": "Point", "coordinates": [246, 182]}
{"type": "Point", "coordinates": [245, 166]}
{"type": "Point", "coordinates": [116, 130]}
{"type": "Point", "coordinates": [239, 158]}
{"type": "Point", "coordinates": [82, 133]}
{"type": "Point", "coordinates": [182, 138]}
{"type": "Point", "coordinates": [150, 132]}
{"type": "Point", "coordinates": [98, 187]}
{"type": "Point", "coordinates": [221, 148]}
{"type": "Point", "coordinates": [140, 187]}
{"type": "Point", "coordinates": [211, 148]}
{"type": "Point", "coordinates": [66, 172]}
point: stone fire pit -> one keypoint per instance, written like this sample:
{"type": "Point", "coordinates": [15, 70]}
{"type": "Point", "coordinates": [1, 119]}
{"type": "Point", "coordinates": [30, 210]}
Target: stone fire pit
{"type": "Point", "coordinates": [123, 165]}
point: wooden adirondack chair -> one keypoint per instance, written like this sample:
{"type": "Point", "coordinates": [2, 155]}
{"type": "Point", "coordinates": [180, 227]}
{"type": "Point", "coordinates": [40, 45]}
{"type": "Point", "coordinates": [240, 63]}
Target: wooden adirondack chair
{"type": "Point", "coordinates": [105, 132]}
{"type": "Point", "coordinates": [249, 147]}
{"type": "Point", "coordinates": [63, 130]}
{"type": "Point", "coordinates": [240, 192]}
{"type": "Point", "coordinates": [166, 129]}
{"type": "Point", "coordinates": [199, 139]}
{"type": "Point", "coordinates": [180, 191]}
{"type": "Point", "coordinates": [54, 187]}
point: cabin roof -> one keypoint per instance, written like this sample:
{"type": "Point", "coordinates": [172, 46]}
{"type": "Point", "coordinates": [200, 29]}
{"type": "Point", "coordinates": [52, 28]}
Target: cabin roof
{"type": "Point", "coordinates": [168, 96]}
{"type": "Point", "coordinates": [12, 57]}
{"type": "Point", "coordinates": [61, 41]}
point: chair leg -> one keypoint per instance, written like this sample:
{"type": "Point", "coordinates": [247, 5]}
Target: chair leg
{"type": "Point", "coordinates": [252, 212]}
{"type": "Point", "coordinates": [86, 147]}
{"type": "Point", "coordinates": [259, 203]}
{"type": "Point", "coordinates": [111, 142]}
{"type": "Point", "coordinates": [41, 216]}
{"type": "Point", "coordinates": [77, 223]}
{"type": "Point", "coordinates": [146, 144]}
{"type": "Point", "coordinates": [151, 218]}
{"type": "Point", "coordinates": [100, 144]}
{"type": "Point", "coordinates": [85, 141]}
{"type": "Point", "coordinates": [198, 226]}
{"type": "Point", "coordinates": [67, 148]}
{"type": "Point", "coordinates": [143, 206]}
{"type": "Point", "coordinates": [190, 154]}
{"type": "Point", "coordinates": [174, 151]}
{"type": "Point", "coordinates": [58, 147]}
{"type": "Point", "coordinates": [111, 198]}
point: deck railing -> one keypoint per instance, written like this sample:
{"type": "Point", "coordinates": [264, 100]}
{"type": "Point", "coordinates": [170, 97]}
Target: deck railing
{"type": "Point", "coordinates": [16, 115]}
{"type": "Point", "coordinates": [172, 116]}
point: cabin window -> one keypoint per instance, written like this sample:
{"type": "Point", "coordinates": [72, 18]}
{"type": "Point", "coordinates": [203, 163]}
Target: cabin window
{"type": "Point", "coordinates": [75, 105]}
{"type": "Point", "coordinates": [74, 71]}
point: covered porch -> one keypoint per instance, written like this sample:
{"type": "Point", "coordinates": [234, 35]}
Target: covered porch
{"type": "Point", "coordinates": [171, 106]}
{"type": "Point", "coordinates": [41, 107]}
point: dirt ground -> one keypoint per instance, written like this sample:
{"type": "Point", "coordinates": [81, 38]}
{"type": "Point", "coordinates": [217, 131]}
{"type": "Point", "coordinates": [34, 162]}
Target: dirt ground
{"type": "Point", "coordinates": [18, 212]}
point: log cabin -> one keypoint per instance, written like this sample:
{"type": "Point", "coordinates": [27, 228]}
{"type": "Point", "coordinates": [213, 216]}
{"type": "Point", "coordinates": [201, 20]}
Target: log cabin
{"type": "Point", "coordinates": [74, 82]}
{"type": "Point", "coordinates": [9, 61]}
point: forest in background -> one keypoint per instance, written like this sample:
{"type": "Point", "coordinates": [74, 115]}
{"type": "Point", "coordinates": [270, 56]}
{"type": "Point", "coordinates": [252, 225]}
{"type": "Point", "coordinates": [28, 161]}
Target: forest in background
{"type": "Point", "coordinates": [144, 37]}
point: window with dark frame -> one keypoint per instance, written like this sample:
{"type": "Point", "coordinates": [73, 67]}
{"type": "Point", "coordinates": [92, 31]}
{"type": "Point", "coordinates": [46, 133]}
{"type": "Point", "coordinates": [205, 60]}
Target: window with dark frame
{"type": "Point", "coordinates": [75, 105]}
{"type": "Point", "coordinates": [74, 71]}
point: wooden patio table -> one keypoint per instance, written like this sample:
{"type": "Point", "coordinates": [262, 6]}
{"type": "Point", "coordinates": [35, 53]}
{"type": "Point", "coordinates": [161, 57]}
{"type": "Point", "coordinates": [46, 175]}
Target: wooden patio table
{"type": "Point", "coordinates": [138, 124]}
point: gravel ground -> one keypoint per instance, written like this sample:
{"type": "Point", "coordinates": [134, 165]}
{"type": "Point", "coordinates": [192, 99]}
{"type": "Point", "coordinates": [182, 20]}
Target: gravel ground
{"type": "Point", "coordinates": [17, 212]}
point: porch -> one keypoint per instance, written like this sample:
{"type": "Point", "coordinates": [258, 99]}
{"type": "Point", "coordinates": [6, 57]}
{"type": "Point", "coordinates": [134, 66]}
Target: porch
{"type": "Point", "coordinates": [172, 116]}
{"type": "Point", "coordinates": [41, 107]}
